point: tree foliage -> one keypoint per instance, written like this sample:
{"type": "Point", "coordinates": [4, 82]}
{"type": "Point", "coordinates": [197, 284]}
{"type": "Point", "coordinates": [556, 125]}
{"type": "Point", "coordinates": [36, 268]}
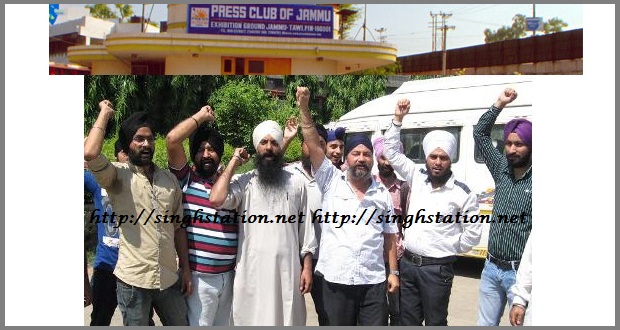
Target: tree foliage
{"type": "Point", "coordinates": [240, 102]}
{"type": "Point", "coordinates": [349, 21]}
{"type": "Point", "coordinates": [125, 11]}
{"type": "Point", "coordinates": [102, 11]}
{"type": "Point", "coordinates": [518, 29]}
{"type": "Point", "coordinates": [347, 92]}
{"type": "Point", "coordinates": [239, 107]}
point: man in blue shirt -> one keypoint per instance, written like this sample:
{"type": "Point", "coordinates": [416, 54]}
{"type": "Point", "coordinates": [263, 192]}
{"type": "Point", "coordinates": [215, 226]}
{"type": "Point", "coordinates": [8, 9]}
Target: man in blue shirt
{"type": "Point", "coordinates": [103, 280]}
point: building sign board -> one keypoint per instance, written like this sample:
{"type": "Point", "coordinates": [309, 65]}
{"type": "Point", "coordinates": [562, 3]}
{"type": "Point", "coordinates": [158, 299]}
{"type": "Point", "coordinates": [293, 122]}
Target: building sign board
{"type": "Point", "coordinates": [534, 24]}
{"type": "Point", "coordinates": [265, 20]}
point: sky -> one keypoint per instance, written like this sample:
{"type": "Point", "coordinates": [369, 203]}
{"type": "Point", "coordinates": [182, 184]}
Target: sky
{"type": "Point", "coordinates": [408, 26]}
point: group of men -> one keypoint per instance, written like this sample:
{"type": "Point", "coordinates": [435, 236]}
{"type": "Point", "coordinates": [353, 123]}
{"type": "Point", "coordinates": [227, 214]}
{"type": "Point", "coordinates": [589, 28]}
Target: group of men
{"type": "Point", "coordinates": [208, 270]}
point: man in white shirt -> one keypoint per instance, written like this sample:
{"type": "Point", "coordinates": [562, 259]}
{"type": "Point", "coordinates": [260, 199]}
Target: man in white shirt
{"type": "Point", "coordinates": [315, 198]}
{"type": "Point", "coordinates": [436, 229]}
{"type": "Point", "coordinates": [353, 237]}
{"type": "Point", "coordinates": [521, 310]}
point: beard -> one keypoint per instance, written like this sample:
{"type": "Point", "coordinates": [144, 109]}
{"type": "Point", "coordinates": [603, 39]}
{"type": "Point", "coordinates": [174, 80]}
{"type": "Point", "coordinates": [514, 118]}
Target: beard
{"type": "Point", "coordinates": [519, 162]}
{"type": "Point", "coordinates": [385, 171]}
{"type": "Point", "coordinates": [270, 169]}
{"type": "Point", "coordinates": [441, 178]}
{"type": "Point", "coordinates": [141, 157]}
{"type": "Point", "coordinates": [361, 171]}
{"type": "Point", "coordinates": [206, 167]}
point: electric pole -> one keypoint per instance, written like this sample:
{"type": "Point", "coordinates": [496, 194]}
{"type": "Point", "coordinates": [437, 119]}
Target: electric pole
{"type": "Point", "coordinates": [534, 15]}
{"type": "Point", "coordinates": [434, 31]}
{"type": "Point", "coordinates": [364, 27]}
{"type": "Point", "coordinates": [381, 37]}
{"type": "Point", "coordinates": [444, 29]}
{"type": "Point", "coordinates": [142, 20]}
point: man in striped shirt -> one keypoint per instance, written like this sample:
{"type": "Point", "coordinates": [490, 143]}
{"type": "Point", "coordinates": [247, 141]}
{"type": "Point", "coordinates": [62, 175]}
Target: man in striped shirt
{"type": "Point", "coordinates": [512, 174]}
{"type": "Point", "coordinates": [212, 242]}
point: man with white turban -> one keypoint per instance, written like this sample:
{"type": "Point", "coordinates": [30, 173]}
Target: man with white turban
{"type": "Point", "coordinates": [438, 225]}
{"type": "Point", "coordinates": [274, 260]}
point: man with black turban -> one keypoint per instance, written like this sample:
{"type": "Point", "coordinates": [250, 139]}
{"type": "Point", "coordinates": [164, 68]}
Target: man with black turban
{"type": "Point", "coordinates": [147, 208]}
{"type": "Point", "coordinates": [212, 244]}
{"type": "Point", "coordinates": [512, 174]}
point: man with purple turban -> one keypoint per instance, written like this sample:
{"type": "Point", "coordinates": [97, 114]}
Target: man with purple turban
{"type": "Point", "coordinates": [512, 174]}
{"type": "Point", "coordinates": [399, 190]}
{"type": "Point", "coordinates": [435, 230]}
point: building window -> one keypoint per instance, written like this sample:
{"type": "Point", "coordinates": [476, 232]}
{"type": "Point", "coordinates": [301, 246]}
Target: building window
{"type": "Point", "coordinates": [256, 67]}
{"type": "Point", "coordinates": [228, 66]}
{"type": "Point", "coordinates": [246, 66]}
{"type": "Point", "coordinates": [148, 68]}
{"type": "Point", "coordinates": [240, 66]}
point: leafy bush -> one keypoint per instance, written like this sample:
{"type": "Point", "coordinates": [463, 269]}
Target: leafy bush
{"type": "Point", "coordinates": [240, 107]}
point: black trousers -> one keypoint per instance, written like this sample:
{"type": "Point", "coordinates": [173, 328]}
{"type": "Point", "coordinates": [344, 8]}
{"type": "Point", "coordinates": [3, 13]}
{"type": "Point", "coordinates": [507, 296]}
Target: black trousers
{"type": "Point", "coordinates": [393, 302]}
{"type": "Point", "coordinates": [317, 295]}
{"type": "Point", "coordinates": [424, 293]}
{"type": "Point", "coordinates": [355, 304]}
{"type": "Point", "coordinates": [103, 285]}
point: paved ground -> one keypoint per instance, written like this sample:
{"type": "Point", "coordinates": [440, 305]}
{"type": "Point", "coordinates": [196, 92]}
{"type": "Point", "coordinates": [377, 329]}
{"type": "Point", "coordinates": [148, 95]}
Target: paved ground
{"type": "Point", "coordinates": [463, 309]}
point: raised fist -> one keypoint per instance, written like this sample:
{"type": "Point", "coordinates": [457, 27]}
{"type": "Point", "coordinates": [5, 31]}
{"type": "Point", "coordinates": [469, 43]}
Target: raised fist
{"type": "Point", "coordinates": [402, 108]}
{"type": "Point", "coordinates": [507, 96]}
{"type": "Point", "coordinates": [303, 96]}
{"type": "Point", "coordinates": [207, 113]}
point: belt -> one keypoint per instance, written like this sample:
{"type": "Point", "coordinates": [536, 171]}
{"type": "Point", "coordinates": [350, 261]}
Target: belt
{"type": "Point", "coordinates": [419, 260]}
{"type": "Point", "coordinates": [503, 264]}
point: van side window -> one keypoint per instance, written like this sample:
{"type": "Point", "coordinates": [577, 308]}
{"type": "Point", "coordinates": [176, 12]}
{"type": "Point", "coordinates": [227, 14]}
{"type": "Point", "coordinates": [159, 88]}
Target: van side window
{"type": "Point", "coordinates": [497, 137]}
{"type": "Point", "coordinates": [412, 142]}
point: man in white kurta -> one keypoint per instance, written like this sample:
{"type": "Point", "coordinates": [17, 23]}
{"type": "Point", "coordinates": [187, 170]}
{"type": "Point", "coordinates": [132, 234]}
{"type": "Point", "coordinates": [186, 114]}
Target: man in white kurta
{"type": "Point", "coordinates": [274, 265]}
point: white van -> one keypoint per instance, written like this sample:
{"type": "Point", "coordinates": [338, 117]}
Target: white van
{"type": "Point", "coordinates": [454, 104]}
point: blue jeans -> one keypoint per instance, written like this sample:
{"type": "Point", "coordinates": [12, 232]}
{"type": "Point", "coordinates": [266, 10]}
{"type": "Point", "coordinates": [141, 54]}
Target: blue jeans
{"type": "Point", "coordinates": [495, 293]}
{"type": "Point", "coordinates": [210, 302]}
{"type": "Point", "coordinates": [135, 304]}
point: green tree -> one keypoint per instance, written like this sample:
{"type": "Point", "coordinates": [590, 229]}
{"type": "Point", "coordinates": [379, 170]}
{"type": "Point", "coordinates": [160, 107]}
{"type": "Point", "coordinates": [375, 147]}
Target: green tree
{"type": "Point", "coordinates": [347, 92]}
{"type": "Point", "coordinates": [519, 29]}
{"type": "Point", "coordinates": [554, 25]}
{"type": "Point", "coordinates": [124, 10]}
{"type": "Point", "coordinates": [101, 10]}
{"type": "Point", "coordinates": [317, 95]}
{"type": "Point", "coordinates": [349, 21]}
{"type": "Point", "coordinates": [390, 69]}
{"type": "Point", "coordinates": [239, 107]}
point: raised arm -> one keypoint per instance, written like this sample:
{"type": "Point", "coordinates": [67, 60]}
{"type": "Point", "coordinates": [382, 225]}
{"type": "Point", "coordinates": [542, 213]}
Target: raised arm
{"type": "Point", "coordinates": [220, 188]}
{"type": "Point", "coordinates": [94, 141]}
{"type": "Point", "coordinates": [482, 131]}
{"type": "Point", "coordinates": [290, 130]}
{"type": "Point", "coordinates": [175, 138]}
{"type": "Point", "coordinates": [311, 136]}
{"type": "Point", "coordinates": [404, 166]}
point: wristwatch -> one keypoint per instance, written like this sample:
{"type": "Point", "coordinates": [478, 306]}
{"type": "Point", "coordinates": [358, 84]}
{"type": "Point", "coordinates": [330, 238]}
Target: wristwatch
{"type": "Point", "coordinates": [394, 272]}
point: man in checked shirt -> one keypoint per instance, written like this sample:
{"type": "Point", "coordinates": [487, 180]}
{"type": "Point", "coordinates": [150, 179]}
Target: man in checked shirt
{"type": "Point", "coordinates": [512, 174]}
